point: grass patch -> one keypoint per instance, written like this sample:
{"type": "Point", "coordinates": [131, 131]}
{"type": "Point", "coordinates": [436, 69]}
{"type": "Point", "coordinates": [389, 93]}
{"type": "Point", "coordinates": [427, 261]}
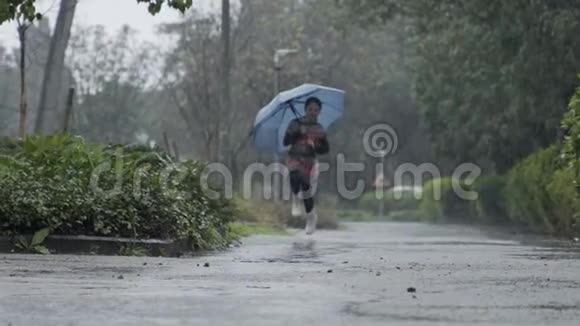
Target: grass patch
{"type": "Point", "coordinates": [243, 230]}
{"type": "Point", "coordinates": [265, 212]}
{"type": "Point", "coordinates": [351, 215]}
{"type": "Point", "coordinates": [354, 215]}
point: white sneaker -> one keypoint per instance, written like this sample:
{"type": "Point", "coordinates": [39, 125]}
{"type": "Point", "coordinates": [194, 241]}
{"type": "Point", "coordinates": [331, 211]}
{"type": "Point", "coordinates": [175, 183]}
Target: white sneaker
{"type": "Point", "coordinates": [296, 206]}
{"type": "Point", "coordinates": [311, 219]}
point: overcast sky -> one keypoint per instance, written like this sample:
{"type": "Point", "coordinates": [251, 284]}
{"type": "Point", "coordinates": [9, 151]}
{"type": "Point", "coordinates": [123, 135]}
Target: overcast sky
{"type": "Point", "coordinates": [112, 14]}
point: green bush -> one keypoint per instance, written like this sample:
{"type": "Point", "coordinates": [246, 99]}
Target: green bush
{"type": "Point", "coordinates": [9, 145]}
{"type": "Point", "coordinates": [258, 211]}
{"type": "Point", "coordinates": [490, 205]}
{"type": "Point", "coordinates": [54, 181]}
{"type": "Point", "coordinates": [448, 207]}
{"type": "Point", "coordinates": [528, 201]}
{"type": "Point", "coordinates": [571, 147]}
{"type": "Point", "coordinates": [405, 201]}
{"type": "Point", "coordinates": [267, 212]}
{"type": "Point", "coordinates": [565, 187]}
{"type": "Point", "coordinates": [565, 214]}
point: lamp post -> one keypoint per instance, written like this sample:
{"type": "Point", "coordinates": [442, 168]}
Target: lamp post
{"type": "Point", "coordinates": [279, 54]}
{"type": "Point", "coordinates": [382, 185]}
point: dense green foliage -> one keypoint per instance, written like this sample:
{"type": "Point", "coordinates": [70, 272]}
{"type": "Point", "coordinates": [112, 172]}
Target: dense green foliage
{"type": "Point", "coordinates": [10, 9]}
{"type": "Point", "coordinates": [78, 188]}
{"type": "Point", "coordinates": [564, 196]}
{"type": "Point", "coordinates": [542, 191]}
{"type": "Point", "coordinates": [489, 81]}
{"type": "Point", "coordinates": [491, 78]}
{"type": "Point", "coordinates": [571, 149]}
{"type": "Point", "coordinates": [440, 202]}
{"type": "Point", "coordinates": [490, 204]}
{"type": "Point", "coordinates": [528, 200]}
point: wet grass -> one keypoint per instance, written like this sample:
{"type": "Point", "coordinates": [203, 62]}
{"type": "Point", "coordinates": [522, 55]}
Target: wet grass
{"type": "Point", "coordinates": [350, 215]}
{"type": "Point", "coordinates": [244, 230]}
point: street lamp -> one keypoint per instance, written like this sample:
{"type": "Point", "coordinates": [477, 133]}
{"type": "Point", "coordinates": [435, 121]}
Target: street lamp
{"type": "Point", "coordinates": [279, 54]}
{"type": "Point", "coordinates": [383, 154]}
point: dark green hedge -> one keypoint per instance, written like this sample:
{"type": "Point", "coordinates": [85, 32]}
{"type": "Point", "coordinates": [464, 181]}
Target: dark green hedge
{"type": "Point", "coordinates": [53, 181]}
{"type": "Point", "coordinates": [406, 201]}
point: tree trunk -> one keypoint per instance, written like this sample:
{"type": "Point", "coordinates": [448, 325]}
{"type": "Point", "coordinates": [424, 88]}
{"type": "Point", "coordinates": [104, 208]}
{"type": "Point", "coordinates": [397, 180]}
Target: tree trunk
{"type": "Point", "coordinates": [53, 71]}
{"type": "Point", "coordinates": [23, 95]}
{"type": "Point", "coordinates": [226, 71]}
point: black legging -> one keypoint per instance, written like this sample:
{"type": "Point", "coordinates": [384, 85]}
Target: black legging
{"type": "Point", "coordinates": [300, 182]}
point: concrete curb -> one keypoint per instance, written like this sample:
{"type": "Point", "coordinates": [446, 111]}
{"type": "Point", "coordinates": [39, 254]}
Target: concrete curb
{"type": "Point", "coordinates": [90, 245]}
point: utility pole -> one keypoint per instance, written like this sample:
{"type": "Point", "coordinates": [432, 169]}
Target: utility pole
{"type": "Point", "coordinates": [278, 55]}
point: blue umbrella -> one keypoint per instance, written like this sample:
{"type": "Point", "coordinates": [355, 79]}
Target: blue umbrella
{"type": "Point", "coordinates": [273, 119]}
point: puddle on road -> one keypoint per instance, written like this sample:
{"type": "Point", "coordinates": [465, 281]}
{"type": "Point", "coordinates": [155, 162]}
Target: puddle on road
{"type": "Point", "coordinates": [301, 252]}
{"type": "Point", "coordinates": [355, 309]}
{"type": "Point", "coordinates": [359, 309]}
{"type": "Point", "coordinates": [557, 253]}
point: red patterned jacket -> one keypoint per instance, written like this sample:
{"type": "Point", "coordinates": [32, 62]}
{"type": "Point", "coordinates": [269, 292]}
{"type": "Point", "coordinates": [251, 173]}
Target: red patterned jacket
{"type": "Point", "coordinates": [306, 140]}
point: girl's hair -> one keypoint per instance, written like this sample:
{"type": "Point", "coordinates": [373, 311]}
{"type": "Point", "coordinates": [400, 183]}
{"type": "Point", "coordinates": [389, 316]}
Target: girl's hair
{"type": "Point", "coordinates": [311, 100]}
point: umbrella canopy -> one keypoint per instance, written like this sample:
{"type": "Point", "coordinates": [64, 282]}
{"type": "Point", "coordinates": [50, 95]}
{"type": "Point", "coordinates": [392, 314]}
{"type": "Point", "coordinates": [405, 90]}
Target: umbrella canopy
{"type": "Point", "coordinates": [273, 119]}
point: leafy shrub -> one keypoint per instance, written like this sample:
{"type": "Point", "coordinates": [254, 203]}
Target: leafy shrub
{"type": "Point", "coordinates": [571, 147]}
{"type": "Point", "coordinates": [449, 206]}
{"type": "Point", "coordinates": [9, 145]}
{"type": "Point", "coordinates": [279, 214]}
{"type": "Point", "coordinates": [490, 205]}
{"type": "Point", "coordinates": [260, 211]}
{"type": "Point", "coordinates": [565, 216]}
{"type": "Point", "coordinates": [77, 188]}
{"type": "Point", "coordinates": [528, 200]}
{"type": "Point", "coordinates": [565, 186]}
{"type": "Point", "coordinates": [400, 200]}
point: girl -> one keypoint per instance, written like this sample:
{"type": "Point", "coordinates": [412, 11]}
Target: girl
{"type": "Point", "coordinates": [307, 139]}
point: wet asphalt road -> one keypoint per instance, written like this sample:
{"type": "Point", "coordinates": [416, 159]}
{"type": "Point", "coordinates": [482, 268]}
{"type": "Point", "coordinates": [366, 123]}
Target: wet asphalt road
{"type": "Point", "coordinates": [356, 276]}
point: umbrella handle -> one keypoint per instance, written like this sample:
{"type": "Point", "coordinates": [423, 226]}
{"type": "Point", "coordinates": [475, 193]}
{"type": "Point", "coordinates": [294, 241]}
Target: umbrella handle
{"type": "Point", "coordinates": [293, 109]}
